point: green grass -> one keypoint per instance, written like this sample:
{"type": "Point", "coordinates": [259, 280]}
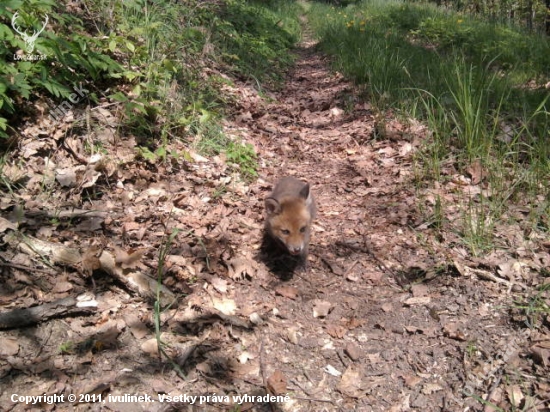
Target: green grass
{"type": "Point", "coordinates": [477, 85]}
{"type": "Point", "coordinates": [254, 37]}
{"type": "Point", "coordinates": [534, 308]}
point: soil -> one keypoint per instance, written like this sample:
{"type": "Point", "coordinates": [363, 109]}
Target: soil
{"type": "Point", "coordinates": [389, 314]}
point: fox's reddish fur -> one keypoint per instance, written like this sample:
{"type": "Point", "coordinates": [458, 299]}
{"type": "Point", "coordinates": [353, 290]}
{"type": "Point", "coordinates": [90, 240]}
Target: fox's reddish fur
{"type": "Point", "coordinates": [290, 210]}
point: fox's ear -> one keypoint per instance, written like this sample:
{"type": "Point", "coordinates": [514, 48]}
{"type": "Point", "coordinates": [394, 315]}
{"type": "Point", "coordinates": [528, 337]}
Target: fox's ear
{"type": "Point", "coordinates": [272, 206]}
{"type": "Point", "coordinates": [304, 193]}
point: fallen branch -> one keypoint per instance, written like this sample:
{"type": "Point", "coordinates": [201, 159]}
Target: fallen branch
{"type": "Point", "coordinates": [51, 253]}
{"type": "Point", "coordinates": [55, 253]}
{"type": "Point", "coordinates": [17, 318]}
{"type": "Point", "coordinates": [66, 214]}
{"type": "Point", "coordinates": [134, 280]}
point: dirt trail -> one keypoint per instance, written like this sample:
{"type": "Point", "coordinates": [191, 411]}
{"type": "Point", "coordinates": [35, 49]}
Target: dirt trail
{"type": "Point", "coordinates": [381, 320]}
{"type": "Point", "coordinates": [361, 244]}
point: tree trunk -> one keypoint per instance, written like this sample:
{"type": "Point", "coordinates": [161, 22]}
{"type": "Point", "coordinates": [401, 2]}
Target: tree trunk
{"type": "Point", "coordinates": [530, 15]}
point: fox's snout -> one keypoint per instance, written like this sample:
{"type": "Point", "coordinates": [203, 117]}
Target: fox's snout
{"type": "Point", "coordinates": [295, 249]}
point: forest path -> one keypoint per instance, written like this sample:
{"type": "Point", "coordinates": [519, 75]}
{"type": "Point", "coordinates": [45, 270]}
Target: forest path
{"type": "Point", "coordinates": [379, 335]}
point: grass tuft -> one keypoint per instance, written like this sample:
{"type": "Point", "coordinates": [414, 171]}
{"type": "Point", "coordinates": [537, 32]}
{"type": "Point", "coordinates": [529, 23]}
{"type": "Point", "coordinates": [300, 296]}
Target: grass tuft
{"type": "Point", "coordinates": [478, 85]}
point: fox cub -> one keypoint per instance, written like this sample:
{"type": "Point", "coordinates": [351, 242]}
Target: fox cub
{"type": "Point", "coordinates": [290, 210]}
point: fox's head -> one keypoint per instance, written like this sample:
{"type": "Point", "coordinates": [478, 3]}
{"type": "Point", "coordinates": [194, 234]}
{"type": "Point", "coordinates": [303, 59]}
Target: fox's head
{"type": "Point", "coordinates": [289, 220]}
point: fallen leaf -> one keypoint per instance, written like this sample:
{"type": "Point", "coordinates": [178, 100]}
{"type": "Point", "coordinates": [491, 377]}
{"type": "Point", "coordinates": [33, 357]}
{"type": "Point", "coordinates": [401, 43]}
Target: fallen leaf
{"type": "Point", "coordinates": [150, 347]}
{"type": "Point", "coordinates": [387, 307]}
{"type": "Point", "coordinates": [240, 267]}
{"type": "Point", "coordinates": [130, 259]}
{"type": "Point", "coordinates": [292, 335]}
{"type": "Point", "coordinates": [276, 383]}
{"type": "Point", "coordinates": [476, 172]}
{"type": "Point", "coordinates": [321, 308]}
{"type": "Point", "coordinates": [354, 323]}
{"type": "Point", "coordinates": [419, 290]}
{"type": "Point", "coordinates": [373, 358]}
{"type": "Point", "coordinates": [66, 177]}
{"type": "Point", "coordinates": [90, 177]}
{"type": "Point", "coordinates": [8, 347]}
{"type": "Point", "coordinates": [289, 292]}
{"type": "Point", "coordinates": [159, 385]}
{"type": "Point", "coordinates": [350, 384]}
{"type": "Point", "coordinates": [225, 306]}
{"type": "Point", "coordinates": [197, 157]}
{"type": "Point", "coordinates": [541, 353]}
{"type": "Point", "coordinates": [405, 149]}
{"type": "Point", "coordinates": [411, 380]}
{"type": "Point", "coordinates": [421, 300]}
{"type": "Point", "coordinates": [6, 224]}
{"type": "Point", "coordinates": [452, 331]}
{"type": "Point", "coordinates": [99, 386]}
{"type": "Point", "coordinates": [495, 399]}
{"type": "Point", "coordinates": [335, 267]}
{"type": "Point", "coordinates": [90, 225]}
{"type": "Point", "coordinates": [353, 351]}
{"type": "Point", "coordinates": [219, 284]}
{"type": "Point", "coordinates": [336, 331]}
{"type": "Point", "coordinates": [515, 395]}
{"type": "Point", "coordinates": [137, 327]}
{"type": "Point", "coordinates": [107, 337]}
{"type": "Point", "coordinates": [511, 269]}
{"type": "Point", "coordinates": [430, 388]}
{"type": "Point", "coordinates": [402, 405]}
{"type": "Point", "coordinates": [62, 286]}
{"type": "Point", "coordinates": [412, 329]}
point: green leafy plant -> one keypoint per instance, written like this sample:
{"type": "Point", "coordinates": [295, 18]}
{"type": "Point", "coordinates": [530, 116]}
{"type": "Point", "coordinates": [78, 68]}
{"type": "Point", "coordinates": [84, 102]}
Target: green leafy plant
{"type": "Point", "coordinates": [66, 59]}
{"type": "Point", "coordinates": [67, 347]}
{"type": "Point", "coordinates": [160, 85]}
{"type": "Point", "coordinates": [244, 157]}
{"type": "Point", "coordinates": [471, 348]}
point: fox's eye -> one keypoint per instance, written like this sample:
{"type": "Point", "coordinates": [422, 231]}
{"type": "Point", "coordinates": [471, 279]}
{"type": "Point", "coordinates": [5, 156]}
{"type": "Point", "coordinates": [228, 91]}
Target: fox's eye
{"type": "Point", "coordinates": [285, 232]}
{"type": "Point", "coordinates": [302, 229]}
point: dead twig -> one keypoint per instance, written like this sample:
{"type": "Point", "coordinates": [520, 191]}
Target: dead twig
{"type": "Point", "coordinates": [17, 318]}
{"type": "Point", "coordinates": [25, 268]}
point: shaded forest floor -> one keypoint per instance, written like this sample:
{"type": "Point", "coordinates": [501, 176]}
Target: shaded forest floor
{"type": "Point", "coordinates": [389, 315]}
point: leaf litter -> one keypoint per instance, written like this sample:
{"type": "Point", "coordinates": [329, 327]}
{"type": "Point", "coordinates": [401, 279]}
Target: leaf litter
{"type": "Point", "coordinates": [387, 315]}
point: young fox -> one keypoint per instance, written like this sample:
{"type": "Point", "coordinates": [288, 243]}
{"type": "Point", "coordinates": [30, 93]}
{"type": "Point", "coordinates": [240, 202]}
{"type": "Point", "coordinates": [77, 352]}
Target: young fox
{"type": "Point", "coordinates": [290, 210]}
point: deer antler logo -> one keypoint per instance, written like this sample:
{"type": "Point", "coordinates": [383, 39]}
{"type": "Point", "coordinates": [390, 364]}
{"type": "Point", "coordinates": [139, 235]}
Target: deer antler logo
{"type": "Point", "coordinates": [29, 40]}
